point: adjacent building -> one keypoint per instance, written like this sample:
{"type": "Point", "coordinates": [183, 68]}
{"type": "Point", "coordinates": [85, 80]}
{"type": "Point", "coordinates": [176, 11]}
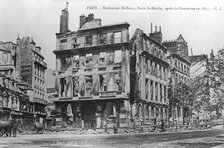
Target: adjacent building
{"type": "Point", "coordinates": [149, 77]}
{"type": "Point", "coordinates": [93, 73]}
{"type": "Point", "coordinates": [179, 78]}
{"type": "Point", "coordinates": [13, 92]}
{"type": "Point", "coordinates": [31, 69]}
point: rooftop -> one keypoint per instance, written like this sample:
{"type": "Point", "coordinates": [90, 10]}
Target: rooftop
{"type": "Point", "coordinates": [124, 24]}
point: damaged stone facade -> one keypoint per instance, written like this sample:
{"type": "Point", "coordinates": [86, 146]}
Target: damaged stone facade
{"type": "Point", "coordinates": [14, 98]}
{"type": "Point", "coordinates": [92, 74]}
{"type": "Point", "coordinates": [149, 78]}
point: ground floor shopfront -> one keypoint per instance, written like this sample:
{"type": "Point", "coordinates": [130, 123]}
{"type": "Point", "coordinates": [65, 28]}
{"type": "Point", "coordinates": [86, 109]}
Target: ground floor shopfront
{"type": "Point", "coordinates": [109, 113]}
{"type": "Point", "coordinates": [94, 113]}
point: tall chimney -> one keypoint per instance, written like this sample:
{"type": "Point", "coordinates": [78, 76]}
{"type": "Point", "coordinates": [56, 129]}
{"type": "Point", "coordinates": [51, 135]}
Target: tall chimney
{"type": "Point", "coordinates": [159, 28]}
{"type": "Point", "coordinates": [82, 20]}
{"type": "Point", "coordinates": [155, 28]}
{"type": "Point", "coordinates": [64, 20]}
{"type": "Point", "coordinates": [90, 18]}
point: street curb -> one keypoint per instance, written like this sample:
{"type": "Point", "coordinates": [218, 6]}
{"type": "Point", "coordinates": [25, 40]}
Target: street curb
{"type": "Point", "coordinates": [116, 135]}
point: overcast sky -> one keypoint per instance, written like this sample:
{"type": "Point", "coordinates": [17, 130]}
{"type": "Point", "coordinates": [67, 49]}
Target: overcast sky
{"type": "Point", "coordinates": [203, 30]}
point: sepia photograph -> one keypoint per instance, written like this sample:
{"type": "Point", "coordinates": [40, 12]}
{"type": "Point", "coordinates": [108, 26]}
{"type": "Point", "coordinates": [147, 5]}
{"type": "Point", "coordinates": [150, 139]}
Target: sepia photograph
{"type": "Point", "coordinates": [111, 74]}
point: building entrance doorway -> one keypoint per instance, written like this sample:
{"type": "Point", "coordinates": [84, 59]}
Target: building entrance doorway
{"type": "Point", "coordinates": [88, 115]}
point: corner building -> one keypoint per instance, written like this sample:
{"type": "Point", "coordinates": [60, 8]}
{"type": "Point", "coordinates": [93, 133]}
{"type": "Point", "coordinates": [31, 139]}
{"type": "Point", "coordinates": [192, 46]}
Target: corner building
{"type": "Point", "coordinates": [92, 73]}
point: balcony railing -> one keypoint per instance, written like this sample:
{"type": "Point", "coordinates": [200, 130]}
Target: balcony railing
{"type": "Point", "coordinates": [40, 62]}
{"type": "Point", "coordinates": [109, 94]}
{"type": "Point", "coordinates": [39, 100]}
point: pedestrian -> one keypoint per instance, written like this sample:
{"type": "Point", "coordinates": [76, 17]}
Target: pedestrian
{"type": "Point", "coordinates": [162, 126]}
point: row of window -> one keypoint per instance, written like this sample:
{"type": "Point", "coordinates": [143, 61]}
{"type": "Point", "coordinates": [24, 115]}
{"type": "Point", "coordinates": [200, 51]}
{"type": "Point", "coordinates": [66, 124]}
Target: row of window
{"type": "Point", "coordinates": [182, 67]}
{"type": "Point", "coordinates": [155, 69]}
{"type": "Point", "coordinates": [9, 84]}
{"type": "Point", "coordinates": [104, 57]}
{"type": "Point", "coordinates": [87, 87]}
{"type": "Point", "coordinates": [38, 56]}
{"type": "Point", "coordinates": [38, 93]}
{"type": "Point", "coordinates": [39, 82]}
{"type": "Point", "coordinates": [152, 112]}
{"type": "Point", "coordinates": [100, 39]}
{"type": "Point", "coordinates": [27, 108]}
{"type": "Point", "coordinates": [181, 78]}
{"type": "Point", "coordinates": [39, 71]}
{"type": "Point", "coordinates": [153, 49]}
{"type": "Point", "coordinates": [13, 103]}
{"type": "Point", "coordinates": [155, 90]}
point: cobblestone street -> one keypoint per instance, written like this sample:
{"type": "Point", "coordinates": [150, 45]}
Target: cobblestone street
{"type": "Point", "coordinates": [191, 139]}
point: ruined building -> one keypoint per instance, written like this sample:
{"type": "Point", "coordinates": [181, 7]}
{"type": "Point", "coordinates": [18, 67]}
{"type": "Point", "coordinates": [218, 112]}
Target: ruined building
{"type": "Point", "coordinates": [31, 69]}
{"type": "Point", "coordinates": [13, 92]}
{"type": "Point", "coordinates": [92, 73]}
{"type": "Point", "coordinates": [149, 77]}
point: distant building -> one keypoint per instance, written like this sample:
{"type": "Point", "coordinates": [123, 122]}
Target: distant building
{"type": "Point", "coordinates": [31, 68]}
{"type": "Point", "coordinates": [50, 86]}
{"type": "Point", "coordinates": [92, 73]}
{"type": "Point", "coordinates": [149, 77]}
{"type": "Point", "coordinates": [178, 46]}
{"type": "Point", "coordinates": [180, 76]}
